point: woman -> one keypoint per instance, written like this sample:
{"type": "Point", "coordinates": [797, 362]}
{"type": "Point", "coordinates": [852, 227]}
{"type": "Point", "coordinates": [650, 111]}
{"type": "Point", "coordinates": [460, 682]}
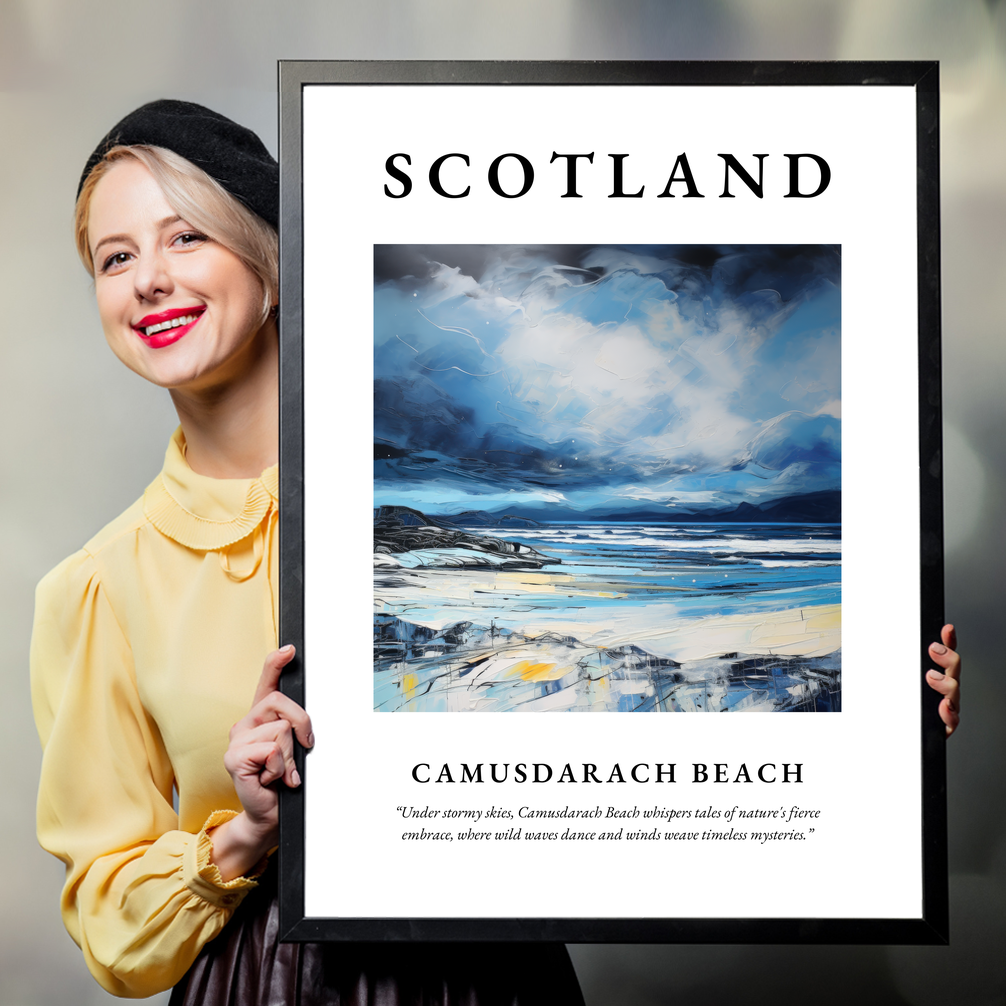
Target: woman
{"type": "Point", "coordinates": [149, 642]}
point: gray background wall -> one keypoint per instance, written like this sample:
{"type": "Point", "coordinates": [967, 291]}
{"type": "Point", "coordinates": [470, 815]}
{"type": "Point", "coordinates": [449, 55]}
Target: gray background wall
{"type": "Point", "coordinates": [82, 436]}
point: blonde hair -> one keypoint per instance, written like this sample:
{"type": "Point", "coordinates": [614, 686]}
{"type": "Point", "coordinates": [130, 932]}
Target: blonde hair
{"type": "Point", "coordinates": [199, 200]}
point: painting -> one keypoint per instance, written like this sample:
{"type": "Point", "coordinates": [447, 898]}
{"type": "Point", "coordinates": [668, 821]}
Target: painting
{"type": "Point", "coordinates": [607, 478]}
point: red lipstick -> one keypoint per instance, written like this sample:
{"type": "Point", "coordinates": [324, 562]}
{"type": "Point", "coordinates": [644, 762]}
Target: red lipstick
{"type": "Point", "coordinates": [166, 327]}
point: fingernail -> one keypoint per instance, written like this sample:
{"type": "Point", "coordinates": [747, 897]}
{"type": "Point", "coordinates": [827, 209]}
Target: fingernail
{"type": "Point", "coordinates": [286, 649]}
{"type": "Point", "coordinates": [295, 777]}
{"type": "Point", "coordinates": [936, 675]}
{"type": "Point", "coordinates": [938, 648]}
{"type": "Point", "coordinates": [951, 706]}
{"type": "Point", "coordinates": [310, 740]}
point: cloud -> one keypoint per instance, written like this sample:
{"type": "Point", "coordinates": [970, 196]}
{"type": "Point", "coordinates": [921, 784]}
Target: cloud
{"type": "Point", "coordinates": [586, 367]}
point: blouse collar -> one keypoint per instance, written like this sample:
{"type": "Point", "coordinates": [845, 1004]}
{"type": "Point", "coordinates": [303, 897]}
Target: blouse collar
{"type": "Point", "coordinates": [203, 513]}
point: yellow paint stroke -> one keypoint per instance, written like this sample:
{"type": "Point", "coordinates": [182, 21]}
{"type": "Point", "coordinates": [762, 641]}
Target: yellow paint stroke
{"type": "Point", "coordinates": [786, 633]}
{"type": "Point", "coordinates": [535, 578]}
{"type": "Point", "coordinates": [530, 671]}
{"type": "Point", "coordinates": [549, 583]}
{"type": "Point", "coordinates": [410, 682]}
{"type": "Point", "coordinates": [826, 620]}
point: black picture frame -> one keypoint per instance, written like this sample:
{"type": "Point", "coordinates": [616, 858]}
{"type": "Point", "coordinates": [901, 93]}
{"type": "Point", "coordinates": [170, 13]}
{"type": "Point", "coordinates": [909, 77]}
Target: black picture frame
{"type": "Point", "coordinates": [931, 927]}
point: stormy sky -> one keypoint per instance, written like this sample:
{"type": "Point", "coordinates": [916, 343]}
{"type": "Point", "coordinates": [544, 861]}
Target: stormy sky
{"type": "Point", "coordinates": [605, 378]}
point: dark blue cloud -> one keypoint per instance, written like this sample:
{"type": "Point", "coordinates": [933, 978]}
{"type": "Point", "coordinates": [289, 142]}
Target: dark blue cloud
{"type": "Point", "coordinates": [592, 371]}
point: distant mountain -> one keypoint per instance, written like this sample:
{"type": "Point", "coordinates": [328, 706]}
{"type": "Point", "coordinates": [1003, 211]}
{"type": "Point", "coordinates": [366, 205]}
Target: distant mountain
{"type": "Point", "coordinates": [810, 508]}
{"type": "Point", "coordinates": [404, 516]}
{"type": "Point", "coordinates": [824, 507]}
{"type": "Point", "coordinates": [482, 518]}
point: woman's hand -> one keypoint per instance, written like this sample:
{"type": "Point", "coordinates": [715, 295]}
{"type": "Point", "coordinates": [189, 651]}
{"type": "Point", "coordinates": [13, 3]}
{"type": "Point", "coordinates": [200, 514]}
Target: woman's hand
{"type": "Point", "coordinates": [948, 681]}
{"type": "Point", "coordinates": [260, 753]}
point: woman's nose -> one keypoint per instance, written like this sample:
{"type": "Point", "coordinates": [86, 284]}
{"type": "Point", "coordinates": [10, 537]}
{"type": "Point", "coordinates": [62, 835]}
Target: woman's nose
{"type": "Point", "coordinates": [152, 277]}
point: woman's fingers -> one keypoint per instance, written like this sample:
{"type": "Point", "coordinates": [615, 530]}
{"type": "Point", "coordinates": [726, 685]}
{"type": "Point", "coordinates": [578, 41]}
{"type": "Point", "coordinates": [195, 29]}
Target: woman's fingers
{"type": "Point", "coordinates": [947, 680]}
{"type": "Point", "coordinates": [261, 761]}
{"type": "Point", "coordinates": [950, 716]}
{"type": "Point", "coordinates": [946, 657]}
{"type": "Point", "coordinates": [261, 749]}
{"type": "Point", "coordinates": [949, 710]}
{"type": "Point", "coordinates": [277, 706]}
{"type": "Point", "coordinates": [271, 671]}
{"type": "Point", "coordinates": [270, 703]}
{"type": "Point", "coordinates": [949, 636]}
{"type": "Point", "coordinates": [947, 686]}
{"type": "Point", "coordinates": [949, 660]}
{"type": "Point", "coordinates": [274, 766]}
{"type": "Point", "coordinates": [277, 735]}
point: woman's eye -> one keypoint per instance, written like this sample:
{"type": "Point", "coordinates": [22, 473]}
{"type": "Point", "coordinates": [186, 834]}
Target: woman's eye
{"type": "Point", "coordinates": [114, 261]}
{"type": "Point", "coordinates": [190, 238]}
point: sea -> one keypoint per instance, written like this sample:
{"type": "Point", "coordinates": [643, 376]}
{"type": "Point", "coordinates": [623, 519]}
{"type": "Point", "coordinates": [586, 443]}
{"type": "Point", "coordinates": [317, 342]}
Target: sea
{"type": "Point", "coordinates": [629, 617]}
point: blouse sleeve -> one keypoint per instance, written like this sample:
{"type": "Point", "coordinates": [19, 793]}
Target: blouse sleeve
{"type": "Point", "coordinates": [141, 898]}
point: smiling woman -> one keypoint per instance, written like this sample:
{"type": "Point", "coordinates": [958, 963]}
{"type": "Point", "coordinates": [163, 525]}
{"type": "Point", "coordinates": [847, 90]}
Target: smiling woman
{"type": "Point", "coordinates": [149, 643]}
{"type": "Point", "coordinates": [157, 279]}
{"type": "Point", "coordinates": [197, 197]}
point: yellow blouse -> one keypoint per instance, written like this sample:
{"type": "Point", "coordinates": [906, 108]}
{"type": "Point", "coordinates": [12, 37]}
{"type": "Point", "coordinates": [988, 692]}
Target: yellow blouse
{"type": "Point", "coordinates": [147, 647]}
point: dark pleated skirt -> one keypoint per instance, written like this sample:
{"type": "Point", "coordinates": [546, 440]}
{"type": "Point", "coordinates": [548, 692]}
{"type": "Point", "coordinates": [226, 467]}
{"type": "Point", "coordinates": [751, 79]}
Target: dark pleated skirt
{"type": "Point", "coordinates": [246, 965]}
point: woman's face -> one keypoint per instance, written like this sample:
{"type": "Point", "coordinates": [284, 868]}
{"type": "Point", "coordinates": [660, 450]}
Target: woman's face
{"type": "Point", "coordinates": [177, 308]}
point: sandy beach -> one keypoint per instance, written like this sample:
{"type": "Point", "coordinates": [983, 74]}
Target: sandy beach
{"type": "Point", "coordinates": [786, 660]}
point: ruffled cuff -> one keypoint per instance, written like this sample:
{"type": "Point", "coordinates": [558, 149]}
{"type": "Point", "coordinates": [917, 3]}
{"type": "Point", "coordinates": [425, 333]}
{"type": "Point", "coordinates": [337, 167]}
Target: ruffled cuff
{"type": "Point", "coordinates": [202, 877]}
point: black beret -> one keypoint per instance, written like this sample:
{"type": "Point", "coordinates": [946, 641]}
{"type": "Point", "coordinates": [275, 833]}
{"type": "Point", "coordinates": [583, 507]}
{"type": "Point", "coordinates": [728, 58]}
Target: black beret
{"type": "Point", "coordinates": [231, 154]}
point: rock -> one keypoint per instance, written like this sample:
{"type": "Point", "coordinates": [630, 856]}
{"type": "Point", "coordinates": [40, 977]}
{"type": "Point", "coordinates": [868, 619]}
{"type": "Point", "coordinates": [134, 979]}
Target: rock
{"type": "Point", "coordinates": [399, 530]}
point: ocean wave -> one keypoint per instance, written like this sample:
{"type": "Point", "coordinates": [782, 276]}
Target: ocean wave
{"type": "Point", "coordinates": [453, 558]}
{"type": "Point", "coordinates": [796, 563]}
{"type": "Point", "coordinates": [734, 544]}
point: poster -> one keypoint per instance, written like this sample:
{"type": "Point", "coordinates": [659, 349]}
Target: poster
{"type": "Point", "coordinates": [634, 459]}
{"type": "Point", "coordinates": [601, 387]}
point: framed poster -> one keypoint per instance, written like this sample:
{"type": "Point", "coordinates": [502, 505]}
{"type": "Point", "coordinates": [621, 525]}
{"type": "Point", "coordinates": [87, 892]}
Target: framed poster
{"type": "Point", "coordinates": [609, 390]}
